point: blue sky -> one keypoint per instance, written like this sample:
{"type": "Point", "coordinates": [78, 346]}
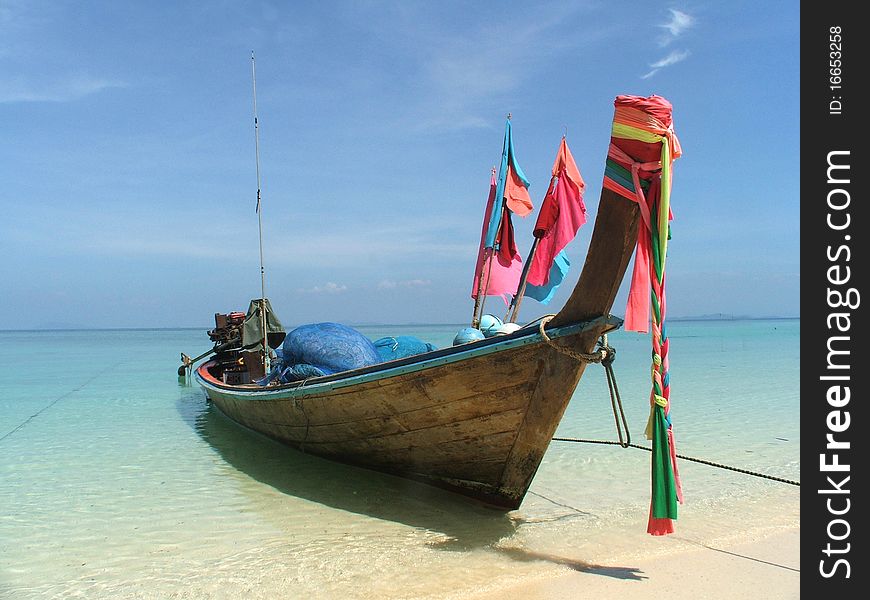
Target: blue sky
{"type": "Point", "coordinates": [128, 172]}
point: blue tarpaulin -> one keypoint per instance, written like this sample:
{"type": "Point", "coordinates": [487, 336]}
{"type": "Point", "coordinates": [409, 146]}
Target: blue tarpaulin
{"type": "Point", "coordinates": [401, 346]}
{"type": "Point", "coordinates": [320, 349]}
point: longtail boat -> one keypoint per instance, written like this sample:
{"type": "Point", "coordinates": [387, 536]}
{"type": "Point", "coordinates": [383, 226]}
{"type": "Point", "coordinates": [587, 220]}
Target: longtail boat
{"type": "Point", "coordinates": [475, 418]}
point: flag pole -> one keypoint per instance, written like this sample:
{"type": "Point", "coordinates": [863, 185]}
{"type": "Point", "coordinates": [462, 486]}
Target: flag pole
{"type": "Point", "coordinates": [481, 294]}
{"type": "Point", "coordinates": [266, 359]}
{"type": "Point", "coordinates": [521, 288]}
{"type": "Point", "coordinates": [514, 308]}
{"type": "Point", "coordinates": [478, 302]}
{"type": "Point", "coordinates": [511, 317]}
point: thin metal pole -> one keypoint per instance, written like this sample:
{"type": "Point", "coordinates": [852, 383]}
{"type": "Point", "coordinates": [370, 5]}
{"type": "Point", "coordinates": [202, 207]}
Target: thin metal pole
{"type": "Point", "coordinates": [481, 289]}
{"type": "Point", "coordinates": [266, 360]}
{"type": "Point", "coordinates": [477, 295]}
{"type": "Point", "coordinates": [481, 294]}
{"type": "Point", "coordinates": [514, 308]}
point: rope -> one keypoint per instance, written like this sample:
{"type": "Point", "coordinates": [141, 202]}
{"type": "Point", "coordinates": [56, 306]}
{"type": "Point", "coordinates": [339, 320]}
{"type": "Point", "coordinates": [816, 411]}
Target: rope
{"type": "Point", "coordinates": [56, 400]}
{"type": "Point", "coordinates": [594, 357]}
{"type": "Point", "coordinates": [605, 355]}
{"type": "Point", "coordinates": [297, 402]}
{"type": "Point", "coordinates": [684, 457]}
{"type": "Point", "coordinates": [615, 399]}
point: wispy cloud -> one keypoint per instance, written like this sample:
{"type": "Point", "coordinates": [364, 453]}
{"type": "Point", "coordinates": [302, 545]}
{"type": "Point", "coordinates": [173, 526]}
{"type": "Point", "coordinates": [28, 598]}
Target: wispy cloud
{"type": "Point", "coordinates": [458, 71]}
{"type": "Point", "coordinates": [64, 90]}
{"type": "Point", "coordinates": [133, 233]}
{"type": "Point", "coordinates": [397, 242]}
{"type": "Point", "coordinates": [674, 28]}
{"type": "Point", "coordinates": [671, 59]}
{"type": "Point", "coordinates": [388, 284]}
{"type": "Point", "coordinates": [327, 288]}
{"type": "Point", "coordinates": [41, 59]}
{"type": "Point", "coordinates": [676, 25]}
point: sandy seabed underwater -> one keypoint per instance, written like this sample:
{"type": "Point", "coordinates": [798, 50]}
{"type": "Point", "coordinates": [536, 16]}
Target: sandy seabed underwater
{"type": "Point", "coordinates": [118, 480]}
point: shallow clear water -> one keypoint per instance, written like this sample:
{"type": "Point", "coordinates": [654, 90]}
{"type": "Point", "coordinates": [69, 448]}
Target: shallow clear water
{"type": "Point", "coordinates": [117, 480]}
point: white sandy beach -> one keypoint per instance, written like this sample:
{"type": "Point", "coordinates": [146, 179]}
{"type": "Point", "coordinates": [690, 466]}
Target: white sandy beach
{"type": "Point", "coordinates": [766, 568]}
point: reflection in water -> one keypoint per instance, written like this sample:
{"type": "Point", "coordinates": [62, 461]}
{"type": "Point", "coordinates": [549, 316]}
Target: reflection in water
{"type": "Point", "coordinates": [353, 489]}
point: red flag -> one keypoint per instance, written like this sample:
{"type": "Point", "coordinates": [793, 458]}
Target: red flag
{"type": "Point", "coordinates": [562, 214]}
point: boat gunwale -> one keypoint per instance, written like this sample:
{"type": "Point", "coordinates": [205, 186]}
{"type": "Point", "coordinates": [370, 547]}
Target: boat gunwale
{"type": "Point", "coordinates": [436, 358]}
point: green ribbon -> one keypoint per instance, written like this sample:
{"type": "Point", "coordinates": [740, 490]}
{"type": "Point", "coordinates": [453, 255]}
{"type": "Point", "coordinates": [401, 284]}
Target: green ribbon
{"type": "Point", "coordinates": [664, 489]}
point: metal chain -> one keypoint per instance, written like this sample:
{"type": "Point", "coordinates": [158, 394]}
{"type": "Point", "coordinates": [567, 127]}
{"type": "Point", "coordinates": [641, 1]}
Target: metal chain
{"type": "Point", "coordinates": [684, 457]}
{"type": "Point", "coordinates": [606, 355]}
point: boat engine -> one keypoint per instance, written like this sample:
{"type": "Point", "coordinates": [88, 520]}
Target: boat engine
{"type": "Point", "coordinates": [234, 363]}
{"type": "Point", "coordinates": [227, 338]}
{"type": "Point", "coordinates": [227, 328]}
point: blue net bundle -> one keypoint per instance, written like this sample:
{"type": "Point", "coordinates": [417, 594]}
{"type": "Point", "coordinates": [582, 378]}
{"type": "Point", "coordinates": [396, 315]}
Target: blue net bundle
{"type": "Point", "coordinates": [401, 346]}
{"type": "Point", "coordinates": [319, 349]}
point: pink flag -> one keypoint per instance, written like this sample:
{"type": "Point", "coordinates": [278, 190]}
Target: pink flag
{"type": "Point", "coordinates": [497, 273]}
{"type": "Point", "coordinates": [562, 214]}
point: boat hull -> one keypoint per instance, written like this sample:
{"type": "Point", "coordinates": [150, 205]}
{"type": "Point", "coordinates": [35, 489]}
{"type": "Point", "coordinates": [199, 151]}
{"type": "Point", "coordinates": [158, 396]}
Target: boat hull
{"type": "Point", "coordinates": [475, 419]}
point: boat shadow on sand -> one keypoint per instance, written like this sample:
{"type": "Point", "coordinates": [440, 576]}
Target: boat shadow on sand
{"type": "Point", "coordinates": [464, 524]}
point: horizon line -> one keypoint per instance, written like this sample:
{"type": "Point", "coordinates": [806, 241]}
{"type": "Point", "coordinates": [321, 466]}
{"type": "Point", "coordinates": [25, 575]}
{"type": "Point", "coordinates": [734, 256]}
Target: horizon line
{"type": "Point", "coordinates": [718, 317]}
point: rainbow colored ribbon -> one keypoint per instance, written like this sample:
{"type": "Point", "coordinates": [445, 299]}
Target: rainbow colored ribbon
{"type": "Point", "coordinates": [649, 184]}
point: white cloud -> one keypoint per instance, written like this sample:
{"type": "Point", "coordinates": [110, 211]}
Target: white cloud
{"type": "Point", "coordinates": [671, 59]}
{"type": "Point", "coordinates": [66, 90]}
{"type": "Point", "coordinates": [411, 283]}
{"type": "Point", "coordinates": [458, 73]}
{"type": "Point", "coordinates": [327, 288]}
{"type": "Point", "coordinates": [678, 23]}
{"type": "Point", "coordinates": [134, 232]}
{"type": "Point", "coordinates": [674, 28]}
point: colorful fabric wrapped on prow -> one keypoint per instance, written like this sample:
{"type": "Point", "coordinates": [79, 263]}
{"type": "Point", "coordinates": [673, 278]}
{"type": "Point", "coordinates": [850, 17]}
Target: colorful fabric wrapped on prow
{"type": "Point", "coordinates": [643, 146]}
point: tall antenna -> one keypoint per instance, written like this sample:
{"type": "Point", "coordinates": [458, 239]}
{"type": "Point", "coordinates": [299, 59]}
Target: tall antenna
{"type": "Point", "coordinates": [266, 360]}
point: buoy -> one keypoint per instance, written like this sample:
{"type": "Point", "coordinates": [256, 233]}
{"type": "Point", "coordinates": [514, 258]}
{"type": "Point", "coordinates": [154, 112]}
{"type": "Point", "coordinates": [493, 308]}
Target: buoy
{"type": "Point", "coordinates": [508, 328]}
{"type": "Point", "coordinates": [489, 325]}
{"type": "Point", "coordinates": [467, 334]}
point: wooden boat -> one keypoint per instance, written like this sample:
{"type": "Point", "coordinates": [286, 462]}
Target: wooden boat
{"type": "Point", "coordinates": [475, 418]}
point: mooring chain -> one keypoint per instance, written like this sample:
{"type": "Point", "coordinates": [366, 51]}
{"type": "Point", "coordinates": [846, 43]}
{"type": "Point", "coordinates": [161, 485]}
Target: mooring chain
{"type": "Point", "coordinates": [58, 399]}
{"type": "Point", "coordinates": [684, 457]}
{"type": "Point", "coordinates": [605, 355]}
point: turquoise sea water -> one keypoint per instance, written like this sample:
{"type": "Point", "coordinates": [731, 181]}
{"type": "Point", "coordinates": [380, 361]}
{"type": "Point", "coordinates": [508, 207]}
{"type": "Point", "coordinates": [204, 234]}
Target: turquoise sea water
{"type": "Point", "coordinates": [118, 480]}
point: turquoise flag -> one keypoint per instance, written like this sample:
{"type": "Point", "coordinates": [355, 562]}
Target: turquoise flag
{"type": "Point", "coordinates": [544, 293]}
